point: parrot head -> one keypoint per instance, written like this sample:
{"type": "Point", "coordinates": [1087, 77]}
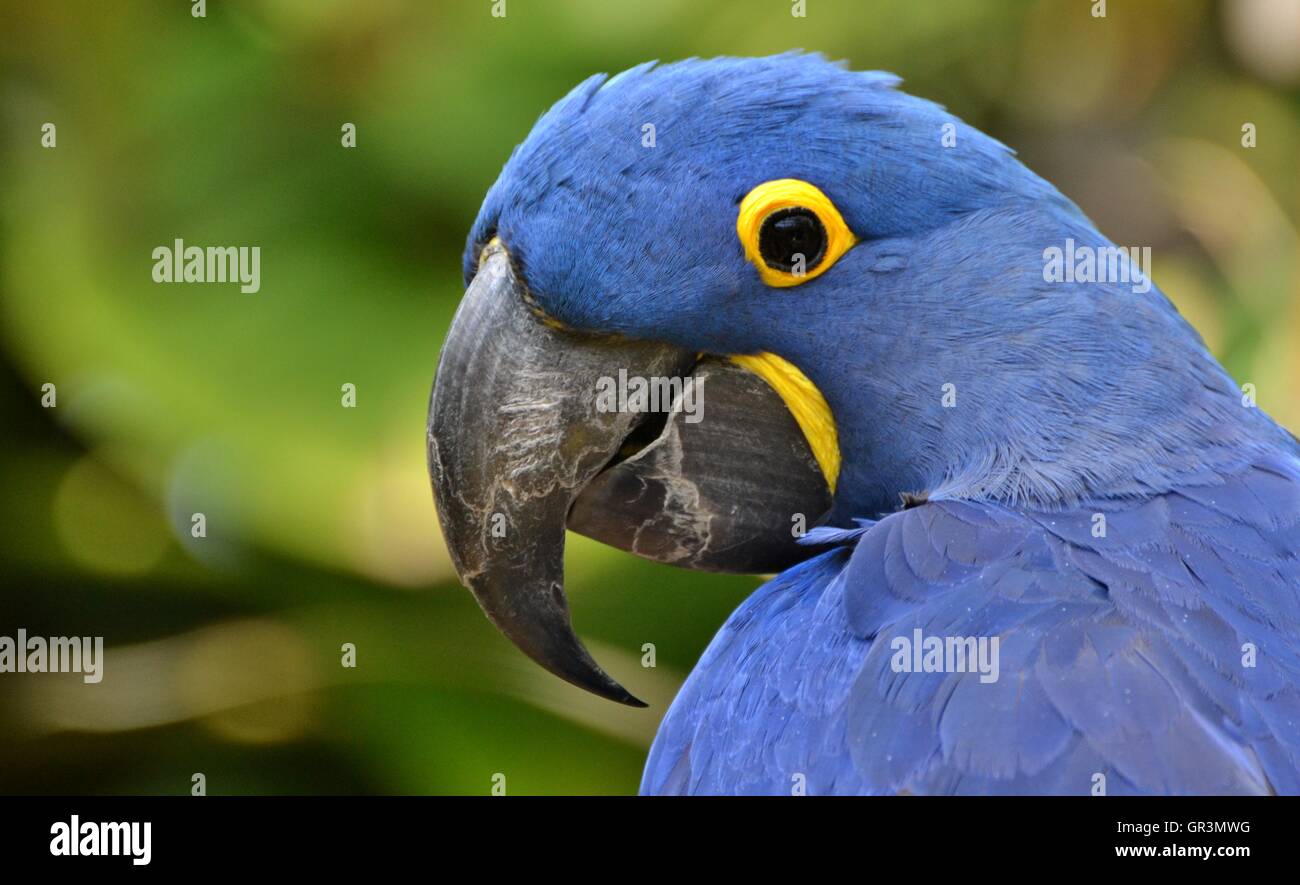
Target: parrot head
{"type": "Point", "coordinates": [845, 281]}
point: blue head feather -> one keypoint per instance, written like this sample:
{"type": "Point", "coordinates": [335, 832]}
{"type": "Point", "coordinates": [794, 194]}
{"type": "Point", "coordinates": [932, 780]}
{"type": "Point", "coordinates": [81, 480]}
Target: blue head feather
{"type": "Point", "coordinates": [1064, 392]}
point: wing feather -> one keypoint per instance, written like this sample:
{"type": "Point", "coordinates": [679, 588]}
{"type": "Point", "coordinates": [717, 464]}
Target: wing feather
{"type": "Point", "coordinates": [1162, 654]}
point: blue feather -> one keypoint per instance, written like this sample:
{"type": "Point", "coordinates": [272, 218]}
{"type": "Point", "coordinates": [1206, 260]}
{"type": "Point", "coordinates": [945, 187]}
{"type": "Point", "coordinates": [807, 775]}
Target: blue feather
{"type": "Point", "coordinates": [1114, 662]}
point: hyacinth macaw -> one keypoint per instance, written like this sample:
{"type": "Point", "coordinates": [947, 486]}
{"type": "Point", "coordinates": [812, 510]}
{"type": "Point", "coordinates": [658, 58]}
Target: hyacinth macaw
{"type": "Point", "coordinates": [855, 279]}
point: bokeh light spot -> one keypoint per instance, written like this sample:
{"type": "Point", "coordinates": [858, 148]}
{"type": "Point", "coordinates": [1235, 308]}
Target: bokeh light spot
{"type": "Point", "coordinates": [105, 524]}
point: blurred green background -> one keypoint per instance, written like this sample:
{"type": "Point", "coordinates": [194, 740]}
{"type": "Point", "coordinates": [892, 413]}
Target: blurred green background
{"type": "Point", "coordinates": [223, 653]}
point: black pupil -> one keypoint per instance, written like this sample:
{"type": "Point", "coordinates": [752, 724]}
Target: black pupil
{"type": "Point", "coordinates": [789, 233]}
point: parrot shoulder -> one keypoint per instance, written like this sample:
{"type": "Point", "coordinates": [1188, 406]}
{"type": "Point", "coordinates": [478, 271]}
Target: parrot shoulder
{"type": "Point", "coordinates": [1126, 646]}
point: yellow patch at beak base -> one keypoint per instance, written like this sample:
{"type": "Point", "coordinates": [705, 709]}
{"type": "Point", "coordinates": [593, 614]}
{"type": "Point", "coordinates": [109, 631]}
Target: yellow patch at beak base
{"type": "Point", "coordinates": [806, 404]}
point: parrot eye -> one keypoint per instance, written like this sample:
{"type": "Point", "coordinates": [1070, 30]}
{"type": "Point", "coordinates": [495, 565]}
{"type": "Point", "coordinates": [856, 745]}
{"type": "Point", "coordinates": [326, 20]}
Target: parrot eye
{"type": "Point", "coordinates": [791, 231]}
{"type": "Point", "coordinates": [792, 239]}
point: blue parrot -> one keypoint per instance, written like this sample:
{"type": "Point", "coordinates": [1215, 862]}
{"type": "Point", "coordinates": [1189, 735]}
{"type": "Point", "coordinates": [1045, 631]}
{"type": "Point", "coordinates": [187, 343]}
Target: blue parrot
{"type": "Point", "coordinates": [1030, 536]}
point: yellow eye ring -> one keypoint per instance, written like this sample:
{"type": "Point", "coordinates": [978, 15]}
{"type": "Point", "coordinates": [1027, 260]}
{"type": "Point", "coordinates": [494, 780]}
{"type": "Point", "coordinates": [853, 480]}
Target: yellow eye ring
{"type": "Point", "coordinates": [791, 231]}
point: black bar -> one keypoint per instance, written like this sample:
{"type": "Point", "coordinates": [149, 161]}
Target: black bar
{"type": "Point", "coordinates": [332, 833]}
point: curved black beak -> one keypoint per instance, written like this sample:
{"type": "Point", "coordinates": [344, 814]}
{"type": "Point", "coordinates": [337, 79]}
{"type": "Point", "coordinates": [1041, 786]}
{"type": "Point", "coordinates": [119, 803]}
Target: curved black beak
{"type": "Point", "coordinates": [522, 439]}
{"type": "Point", "coordinates": [515, 433]}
